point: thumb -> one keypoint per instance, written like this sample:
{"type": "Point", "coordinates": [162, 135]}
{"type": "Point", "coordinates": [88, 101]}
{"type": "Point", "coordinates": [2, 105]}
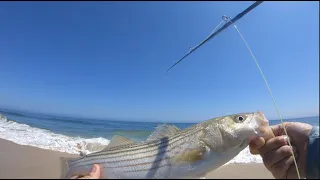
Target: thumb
{"type": "Point", "coordinates": [255, 144]}
{"type": "Point", "coordinates": [267, 132]}
{"type": "Point", "coordinates": [95, 172]}
{"type": "Point", "coordinates": [278, 129]}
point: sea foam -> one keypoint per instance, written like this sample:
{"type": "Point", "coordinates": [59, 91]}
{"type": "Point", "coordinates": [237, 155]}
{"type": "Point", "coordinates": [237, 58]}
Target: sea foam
{"type": "Point", "coordinates": [26, 135]}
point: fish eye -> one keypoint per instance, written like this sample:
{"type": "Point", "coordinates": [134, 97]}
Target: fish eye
{"type": "Point", "coordinates": [240, 118]}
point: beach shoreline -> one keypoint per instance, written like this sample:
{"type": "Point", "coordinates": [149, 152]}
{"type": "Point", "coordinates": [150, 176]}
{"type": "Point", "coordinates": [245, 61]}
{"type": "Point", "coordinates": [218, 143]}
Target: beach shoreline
{"type": "Point", "coordinates": [21, 161]}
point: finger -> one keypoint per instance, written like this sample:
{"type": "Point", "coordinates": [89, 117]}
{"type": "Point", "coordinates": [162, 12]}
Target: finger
{"type": "Point", "coordinates": [278, 129]}
{"type": "Point", "coordinates": [266, 132]}
{"type": "Point", "coordinates": [292, 171]}
{"type": "Point", "coordinates": [273, 143]}
{"type": "Point", "coordinates": [95, 172]}
{"type": "Point", "coordinates": [256, 144]}
{"type": "Point", "coordinates": [273, 157]}
{"type": "Point", "coordinates": [281, 168]}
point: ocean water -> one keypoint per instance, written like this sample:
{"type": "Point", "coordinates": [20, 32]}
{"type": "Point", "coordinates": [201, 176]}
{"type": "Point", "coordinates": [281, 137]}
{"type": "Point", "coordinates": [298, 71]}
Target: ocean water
{"type": "Point", "coordinates": [72, 135]}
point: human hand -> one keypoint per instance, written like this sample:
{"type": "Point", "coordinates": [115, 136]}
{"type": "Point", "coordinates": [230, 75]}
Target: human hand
{"type": "Point", "coordinates": [277, 154]}
{"type": "Point", "coordinates": [94, 174]}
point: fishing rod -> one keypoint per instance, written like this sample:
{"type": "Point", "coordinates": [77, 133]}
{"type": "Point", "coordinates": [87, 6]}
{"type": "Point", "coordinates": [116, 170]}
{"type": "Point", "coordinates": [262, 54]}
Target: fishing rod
{"type": "Point", "coordinates": [239, 16]}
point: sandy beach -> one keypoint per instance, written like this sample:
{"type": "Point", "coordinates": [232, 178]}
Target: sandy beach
{"type": "Point", "coordinates": [18, 161]}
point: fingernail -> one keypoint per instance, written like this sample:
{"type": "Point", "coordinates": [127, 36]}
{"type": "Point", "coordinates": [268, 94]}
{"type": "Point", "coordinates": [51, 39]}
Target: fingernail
{"type": "Point", "coordinates": [286, 139]}
{"type": "Point", "coordinates": [94, 169]}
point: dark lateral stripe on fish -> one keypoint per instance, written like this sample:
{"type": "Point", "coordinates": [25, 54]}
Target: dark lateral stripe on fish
{"type": "Point", "coordinates": [124, 160]}
{"type": "Point", "coordinates": [148, 169]}
{"type": "Point", "coordinates": [133, 151]}
{"type": "Point", "coordinates": [144, 163]}
{"type": "Point", "coordinates": [91, 160]}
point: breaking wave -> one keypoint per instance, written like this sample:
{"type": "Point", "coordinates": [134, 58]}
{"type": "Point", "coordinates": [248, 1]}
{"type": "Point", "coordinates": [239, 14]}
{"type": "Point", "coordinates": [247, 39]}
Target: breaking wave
{"type": "Point", "coordinates": [26, 135]}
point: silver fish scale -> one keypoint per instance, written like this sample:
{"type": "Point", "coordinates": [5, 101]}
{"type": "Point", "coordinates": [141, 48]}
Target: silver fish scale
{"type": "Point", "coordinates": [129, 158]}
{"type": "Point", "coordinates": [142, 152]}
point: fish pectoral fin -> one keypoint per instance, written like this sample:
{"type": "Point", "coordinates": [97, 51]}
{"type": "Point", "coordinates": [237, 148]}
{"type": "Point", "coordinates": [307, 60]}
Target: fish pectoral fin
{"type": "Point", "coordinates": [117, 140]}
{"type": "Point", "coordinates": [190, 155]}
{"type": "Point", "coordinates": [163, 130]}
{"type": "Point", "coordinates": [206, 144]}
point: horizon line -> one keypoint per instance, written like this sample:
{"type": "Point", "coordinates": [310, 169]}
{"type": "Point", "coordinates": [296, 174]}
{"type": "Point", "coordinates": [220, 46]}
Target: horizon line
{"type": "Point", "coordinates": [123, 119]}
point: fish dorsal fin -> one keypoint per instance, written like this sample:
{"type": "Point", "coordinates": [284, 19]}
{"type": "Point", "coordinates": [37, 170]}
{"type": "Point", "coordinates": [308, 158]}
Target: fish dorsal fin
{"type": "Point", "coordinates": [117, 140]}
{"type": "Point", "coordinates": [163, 130]}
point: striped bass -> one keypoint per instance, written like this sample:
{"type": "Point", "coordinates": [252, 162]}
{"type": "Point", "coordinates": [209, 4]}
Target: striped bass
{"type": "Point", "coordinates": [173, 153]}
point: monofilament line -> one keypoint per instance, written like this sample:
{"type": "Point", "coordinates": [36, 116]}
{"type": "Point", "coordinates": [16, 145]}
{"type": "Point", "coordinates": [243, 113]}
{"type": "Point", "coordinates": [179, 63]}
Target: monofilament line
{"type": "Point", "coordinates": [274, 101]}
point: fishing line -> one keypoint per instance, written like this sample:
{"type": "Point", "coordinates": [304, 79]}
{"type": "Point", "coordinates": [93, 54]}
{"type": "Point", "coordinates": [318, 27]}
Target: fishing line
{"type": "Point", "coordinates": [265, 80]}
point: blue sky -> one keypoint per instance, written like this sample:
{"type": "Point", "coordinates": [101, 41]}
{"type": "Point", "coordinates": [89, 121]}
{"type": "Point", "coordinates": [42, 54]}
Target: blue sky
{"type": "Point", "coordinates": [105, 59]}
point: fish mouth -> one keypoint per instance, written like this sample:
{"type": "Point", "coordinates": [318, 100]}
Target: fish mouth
{"type": "Point", "coordinates": [255, 127]}
{"type": "Point", "coordinates": [259, 122]}
{"type": "Point", "coordinates": [261, 118]}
